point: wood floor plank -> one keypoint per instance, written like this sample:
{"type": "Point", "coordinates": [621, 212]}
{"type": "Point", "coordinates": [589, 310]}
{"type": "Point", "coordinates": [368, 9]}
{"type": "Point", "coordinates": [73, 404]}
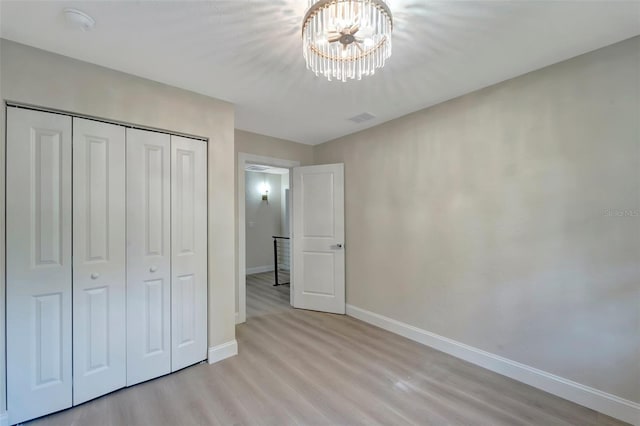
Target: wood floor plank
{"type": "Point", "coordinates": [300, 367]}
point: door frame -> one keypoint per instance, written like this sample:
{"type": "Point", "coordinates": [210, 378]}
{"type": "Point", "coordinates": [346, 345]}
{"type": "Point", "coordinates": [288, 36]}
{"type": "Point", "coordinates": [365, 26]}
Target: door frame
{"type": "Point", "coordinates": [243, 160]}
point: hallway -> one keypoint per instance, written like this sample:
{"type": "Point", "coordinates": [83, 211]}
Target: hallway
{"type": "Point", "coordinates": [263, 297]}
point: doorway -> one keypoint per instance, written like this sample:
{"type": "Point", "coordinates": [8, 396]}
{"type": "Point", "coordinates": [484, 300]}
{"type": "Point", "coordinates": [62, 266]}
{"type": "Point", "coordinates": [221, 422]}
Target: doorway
{"type": "Point", "coordinates": [267, 239]}
{"type": "Point", "coordinates": [264, 212]}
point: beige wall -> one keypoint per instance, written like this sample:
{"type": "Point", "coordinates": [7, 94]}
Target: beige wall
{"type": "Point", "coordinates": [266, 146]}
{"type": "Point", "coordinates": [45, 79]}
{"type": "Point", "coordinates": [262, 219]}
{"type": "Point", "coordinates": [484, 219]}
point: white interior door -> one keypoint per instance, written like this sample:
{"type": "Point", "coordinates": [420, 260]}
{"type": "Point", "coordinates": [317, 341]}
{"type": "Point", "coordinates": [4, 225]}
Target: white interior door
{"type": "Point", "coordinates": [38, 220]}
{"type": "Point", "coordinates": [148, 255]}
{"type": "Point", "coordinates": [318, 238]}
{"type": "Point", "coordinates": [99, 333]}
{"type": "Point", "coordinates": [188, 251]}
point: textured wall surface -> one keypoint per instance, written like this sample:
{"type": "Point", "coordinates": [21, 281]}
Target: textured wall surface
{"type": "Point", "coordinates": [494, 219]}
{"type": "Point", "coordinates": [263, 219]}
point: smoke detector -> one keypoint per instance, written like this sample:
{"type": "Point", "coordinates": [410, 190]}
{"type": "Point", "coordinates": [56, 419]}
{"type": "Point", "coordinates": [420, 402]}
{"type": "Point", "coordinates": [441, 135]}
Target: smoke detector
{"type": "Point", "coordinates": [79, 19]}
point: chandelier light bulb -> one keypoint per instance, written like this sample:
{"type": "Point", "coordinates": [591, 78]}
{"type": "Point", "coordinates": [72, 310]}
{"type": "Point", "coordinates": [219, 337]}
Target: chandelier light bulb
{"type": "Point", "coordinates": [346, 39]}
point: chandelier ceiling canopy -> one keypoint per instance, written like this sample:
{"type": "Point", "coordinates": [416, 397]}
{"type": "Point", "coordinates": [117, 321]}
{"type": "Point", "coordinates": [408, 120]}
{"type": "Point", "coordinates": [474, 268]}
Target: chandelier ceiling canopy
{"type": "Point", "coordinates": [346, 39]}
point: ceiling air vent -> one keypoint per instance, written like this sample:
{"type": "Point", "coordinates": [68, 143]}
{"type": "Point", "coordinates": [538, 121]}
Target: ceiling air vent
{"type": "Point", "coordinates": [361, 118]}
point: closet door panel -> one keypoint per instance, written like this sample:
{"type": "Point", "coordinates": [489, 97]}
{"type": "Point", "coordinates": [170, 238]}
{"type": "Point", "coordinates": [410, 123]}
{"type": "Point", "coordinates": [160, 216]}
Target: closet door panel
{"type": "Point", "coordinates": [189, 251]}
{"type": "Point", "coordinates": [38, 270]}
{"type": "Point", "coordinates": [99, 317]}
{"type": "Point", "coordinates": [148, 255]}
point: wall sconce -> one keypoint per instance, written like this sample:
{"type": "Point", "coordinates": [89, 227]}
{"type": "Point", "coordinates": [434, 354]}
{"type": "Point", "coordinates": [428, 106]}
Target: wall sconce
{"type": "Point", "coordinates": [263, 188]}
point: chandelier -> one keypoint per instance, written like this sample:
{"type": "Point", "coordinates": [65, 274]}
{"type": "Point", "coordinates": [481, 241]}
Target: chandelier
{"type": "Point", "coordinates": [346, 38]}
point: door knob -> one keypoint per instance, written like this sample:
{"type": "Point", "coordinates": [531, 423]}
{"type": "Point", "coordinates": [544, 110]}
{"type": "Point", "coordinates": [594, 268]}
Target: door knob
{"type": "Point", "coordinates": [153, 268]}
{"type": "Point", "coordinates": [339, 245]}
{"type": "Point", "coordinates": [95, 276]}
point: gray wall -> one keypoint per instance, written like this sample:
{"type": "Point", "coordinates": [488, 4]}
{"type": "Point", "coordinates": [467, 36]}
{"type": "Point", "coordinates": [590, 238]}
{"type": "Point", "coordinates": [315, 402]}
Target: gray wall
{"type": "Point", "coordinates": [265, 216]}
{"type": "Point", "coordinates": [485, 219]}
{"type": "Point", "coordinates": [285, 206]}
{"type": "Point", "coordinates": [45, 79]}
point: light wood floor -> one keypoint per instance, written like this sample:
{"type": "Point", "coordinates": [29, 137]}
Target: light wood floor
{"type": "Point", "coordinates": [302, 367]}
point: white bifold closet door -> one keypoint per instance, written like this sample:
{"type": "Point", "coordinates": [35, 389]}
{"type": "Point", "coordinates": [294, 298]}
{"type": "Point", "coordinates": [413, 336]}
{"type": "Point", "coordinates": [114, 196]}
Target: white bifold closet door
{"type": "Point", "coordinates": [188, 251]}
{"type": "Point", "coordinates": [148, 255]}
{"type": "Point", "coordinates": [106, 258]}
{"type": "Point", "coordinates": [99, 317]}
{"type": "Point", "coordinates": [38, 220]}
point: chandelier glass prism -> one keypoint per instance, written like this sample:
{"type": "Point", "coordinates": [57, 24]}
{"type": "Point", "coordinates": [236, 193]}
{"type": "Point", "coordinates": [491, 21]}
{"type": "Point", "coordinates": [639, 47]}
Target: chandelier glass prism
{"type": "Point", "coordinates": [346, 39]}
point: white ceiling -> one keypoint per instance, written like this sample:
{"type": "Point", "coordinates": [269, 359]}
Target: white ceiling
{"type": "Point", "coordinates": [249, 52]}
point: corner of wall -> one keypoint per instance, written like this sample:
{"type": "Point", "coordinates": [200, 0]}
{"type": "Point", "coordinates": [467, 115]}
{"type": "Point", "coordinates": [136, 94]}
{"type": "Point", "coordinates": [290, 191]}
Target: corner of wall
{"type": "Point", "coordinates": [3, 387]}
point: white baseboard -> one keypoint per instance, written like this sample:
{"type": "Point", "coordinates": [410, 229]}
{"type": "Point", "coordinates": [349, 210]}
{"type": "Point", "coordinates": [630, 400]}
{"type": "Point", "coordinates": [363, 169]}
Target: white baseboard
{"type": "Point", "coordinates": [238, 318]}
{"type": "Point", "coordinates": [595, 399]}
{"type": "Point", "coordinates": [222, 351]}
{"type": "Point", "coordinates": [260, 269]}
{"type": "Point", "coordinates": [4, 418]}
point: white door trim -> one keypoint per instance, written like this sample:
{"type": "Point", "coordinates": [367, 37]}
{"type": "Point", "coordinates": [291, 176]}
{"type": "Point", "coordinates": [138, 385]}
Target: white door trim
{"type": "Point", "coordinates": [243, 159]}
